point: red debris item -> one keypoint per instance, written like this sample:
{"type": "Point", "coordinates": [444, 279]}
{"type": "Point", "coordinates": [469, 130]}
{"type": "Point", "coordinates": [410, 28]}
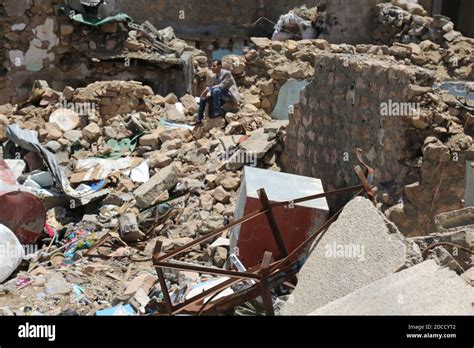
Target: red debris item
{"type": "Point", "coordinates": [22, 212]}
{"type": "Point", "coordinates": [250, 240]}
{"type": "Point", "coordinates": [49, 230]}
{"type": "Point", "coordinates": [23, 282]}
{"type": "Point", "coordinates": [243, 139]}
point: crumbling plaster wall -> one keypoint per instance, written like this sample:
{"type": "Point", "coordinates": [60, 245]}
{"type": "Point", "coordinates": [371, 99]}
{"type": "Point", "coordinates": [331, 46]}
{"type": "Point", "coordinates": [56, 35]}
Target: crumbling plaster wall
{"type": "Point", "coordinates": [349, 21]}
{"type": "Point", "coordinates": [38, 44]}
{"type": "Point", "coordinates": [419, 172]}
{"type": "Point", "coordinates": [220, 19]}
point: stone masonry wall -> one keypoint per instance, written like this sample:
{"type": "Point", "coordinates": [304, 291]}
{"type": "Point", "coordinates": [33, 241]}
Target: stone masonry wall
{"type": "Point", "coordinates": [350, 21]}
{"type": "Point", "coordinates": [221, 19]}
{"type": "Point", "coordinates": [40, 45]}
{"type": "Point", "coordinates": [419, 167]}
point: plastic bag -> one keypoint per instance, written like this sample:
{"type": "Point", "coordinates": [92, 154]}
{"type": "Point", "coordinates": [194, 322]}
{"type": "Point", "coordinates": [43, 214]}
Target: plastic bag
{"type": "Point", "coordinates": [11, 252]}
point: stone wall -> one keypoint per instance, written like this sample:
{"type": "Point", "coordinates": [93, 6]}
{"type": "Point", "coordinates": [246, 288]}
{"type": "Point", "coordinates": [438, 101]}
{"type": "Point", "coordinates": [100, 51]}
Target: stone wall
{"type": "Point", "coordinates": [419, 165]}
{"type": "Point", "coordinates": [42, 45]}
{"type": "Point", "coordinates": [220, 19]}
{"type": "Point", "coordinates": [350, 21]}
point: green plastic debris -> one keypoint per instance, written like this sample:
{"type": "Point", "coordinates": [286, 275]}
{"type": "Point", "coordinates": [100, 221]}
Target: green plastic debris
{"type": "Point", "coordinates": [121, 148]}
{"type": "Point", "coordinates": [92, 20]}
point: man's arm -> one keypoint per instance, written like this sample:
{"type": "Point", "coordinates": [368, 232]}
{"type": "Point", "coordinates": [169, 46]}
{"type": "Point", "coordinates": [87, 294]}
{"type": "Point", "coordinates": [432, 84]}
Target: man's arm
{"type": "Point", "coordinates": [205, 93]}
{"type": "Point", "coordinates": [227, 81]}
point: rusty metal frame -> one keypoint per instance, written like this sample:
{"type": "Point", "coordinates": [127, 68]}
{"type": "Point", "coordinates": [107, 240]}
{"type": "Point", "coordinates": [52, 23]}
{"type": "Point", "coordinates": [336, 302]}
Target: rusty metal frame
{"type": "Point", "coordinates": [267, 275]}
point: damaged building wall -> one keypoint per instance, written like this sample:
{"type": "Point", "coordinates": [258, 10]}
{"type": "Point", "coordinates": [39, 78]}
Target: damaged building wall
{"type": "Point", "coordinates": [42, 45]}
{"type": "Point", "coordinates": [349, 21]}
{"type": "Point", "coordinates": [205, 18]}
{"type": "Point", "coordinates": [419, 164]}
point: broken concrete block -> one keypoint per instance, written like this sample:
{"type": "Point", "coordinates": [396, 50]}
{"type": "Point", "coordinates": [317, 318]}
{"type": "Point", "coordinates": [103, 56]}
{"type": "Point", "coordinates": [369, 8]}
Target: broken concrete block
{"type": "Point", "coordinates": [211, 123]}
{"type": "Point", "coordinates": [455, 220]}
{"type": "Point", "coordinates": [357, 250]}
{"type": "Point", "coordinates": [144, 281]}
{"type": "Point", "coordinates": [92, 132]}
{"type": "Point", "coordinates": [132, 44]}
{"type": "Point", "coordinates": [140, 300]}
{"type": "Point", "coordinates": [425, 289]}
{"type": "Point", "coordinates": [171, 99]}
{"type": "Point", "coordinates": [91, 222]}
{"type": "Point", "coordinates": [158, 160]}
{"type": "Point", "coordinates": [220, 256]}
{"type": "Point", "coordinates": [220, 242]}
{"type": "Point", "coordinates": [73, 135]}
{"type": "Point", "coordinates": [414, 91]}
{"type": "Point", "coordinates": [129, 230]}
{"type": "Point", "coordinates": [445, 259]}
{"type": "Point", "coordinates": [149, 140]}
{"type": "Point", "coordinates": [452, 35]}
{"type": "Point", "coordinates": [53, 132]}
{"type": "Point", "coordinates": [68, 93]}
{"type": "Point", "coordinates": [230, 183]}
{"type": "Point", "coordinates": [275, 126]}
{"type": "Point", "coordinates": [221, 195]}
{"type": "Point", "coordinates": [173, 114]}
{"type": "Point", "coordinates": [261, 42]}
{"type": "Point", "coordinates": [266, 87]}
{"type": "Point", "coordinates": [195, 158]}
{"type": "Point", "coordinates": [190, 104]}
{"type": "Point", "coordinates": [172, 134]}
{"type": "Point", "coordinates": [149, 193]}
{"type": "Point", "coordinates": [258, 145]}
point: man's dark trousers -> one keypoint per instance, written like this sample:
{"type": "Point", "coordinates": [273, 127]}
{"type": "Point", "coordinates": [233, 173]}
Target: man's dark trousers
{"type": "Point", "coordinates": [217, 94]}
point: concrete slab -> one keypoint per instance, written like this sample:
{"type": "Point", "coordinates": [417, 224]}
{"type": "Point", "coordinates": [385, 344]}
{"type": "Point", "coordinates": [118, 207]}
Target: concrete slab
{"type": "Point", "coordinates": [357, 250]}
{"type": "Point", "coordinates": [425, 289]}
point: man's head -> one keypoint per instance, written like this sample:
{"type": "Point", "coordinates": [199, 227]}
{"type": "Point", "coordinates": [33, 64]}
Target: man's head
{"type": "Point", "coordinates": [216, 66]}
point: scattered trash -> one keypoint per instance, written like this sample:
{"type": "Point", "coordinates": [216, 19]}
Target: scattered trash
{"type": "Point", "coordinates": [141, 174]}
{"type": "Point", "coordinates": [79, 240]}
{"type": "Point", "coordinates": [22, 282]}
{"type": "Point", "coordinates": [119, 310]}
{"type": "Point", "coordinates": [11, 252]}
{"type": "Point", "coordinates": [117, 203]}
{"type": "Point", "coordinates": [95, 169]}
{"type": "Point", "coordinates": [291, 26]}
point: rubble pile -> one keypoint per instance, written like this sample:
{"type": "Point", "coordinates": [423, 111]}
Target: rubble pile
{"type": "Point", "coordinates": [407, 22]}
{"type": "Point", "coordinates": [413, 35]}
{"type": "Point", "coordinates": [157, 179]}
{"type": "Point", "coordinates": [405, 277]}
{"type": "Point", "coordinates": [118, 167]}
{"type": "Point", "coordinates": [38, 37]}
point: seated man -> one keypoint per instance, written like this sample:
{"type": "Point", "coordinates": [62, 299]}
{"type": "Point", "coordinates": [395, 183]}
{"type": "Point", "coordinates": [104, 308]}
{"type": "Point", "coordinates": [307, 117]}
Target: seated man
{"type": "Point", "coordinates": [223, 88]}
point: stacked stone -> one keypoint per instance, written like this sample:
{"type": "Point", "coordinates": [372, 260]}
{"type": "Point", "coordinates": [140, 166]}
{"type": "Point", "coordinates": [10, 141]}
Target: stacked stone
{"type": "Point", "coordinates": [407, 22]}
{"type": "Point", "coordinates": [419, 158]}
